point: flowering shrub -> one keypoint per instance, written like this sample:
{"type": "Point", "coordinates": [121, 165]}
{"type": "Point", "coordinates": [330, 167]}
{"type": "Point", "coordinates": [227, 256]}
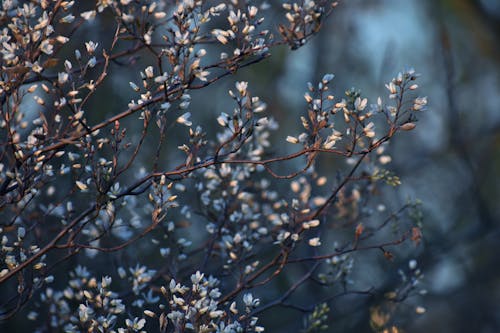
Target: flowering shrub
{"type": "Point", "coordinates": [196, 238]}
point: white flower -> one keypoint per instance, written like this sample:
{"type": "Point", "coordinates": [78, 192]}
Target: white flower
{"type": "Point", "coordinates": [62, 39]}
{"type": "Point", "coordinates": [384, 159]}
{"type": "Point", "coordinates": [250, 301]}
{"type": "Point", "coordinates": [368, 130]}
{"type": "Point", "coordinates": [92, 62]}
{"type": "Point", "coordinates": [233, 17]}
{"type": "Point", "coordinates": [184, 119]}
{"type": "Point", "coordinates": [121, 272]}
{"type": "Point", "coordinates": [332, 139]}
{"type": "Point", "coordinates": [262, 121]}
{"type": "Point", "coordinates": [223, 119]}
{"type": "Point", "coordinates": [420, 310]}
{"type": "Point", "coordinates": [197, 277]}
{"type": "Point", "coordinates": [201, 53]}
{"type": "Point", "coordinates": [149, 313]}
{"type": "Point", "coordinates": [149, 72]}
{"type": "Point", "coordinates": [106, 281]}
{"type": "Point", "coordinates": [91, 46]}
{"type": "Point", "coordinates": [137, 324]}
{"type": "Point", "coordinates": [233, 309]}
{"type": "Point", "coordinates": [82, 186]}
{"type": "Point", "coordinates": [134, 86]}
{"type": "Point", "coordinates": [46, 47]}
{"type": "Point", "coordinates": [21, 232]}
{"type": "Point", "coordinates": [88, 15]}
{"type": "Point", "coordinates": [67, 19]}
{"type": "Point", "coordinates": [407, 126]}
{"type": "Point", "coordinates": [68, 65]}
{"type": "Point", "coordinates": [84, 312]}
{"type": "Point", "coordinates": [62, 77]}
{"type": "Point", "coordinates": [391, 87]}
{"type": "Point", "coordinates": [360, 104]}
{"type": "Point", "coordinates": [202, 75]}
{"type": "Point", "coordinates": [165, 106]}
{"type": "Point", "coordinates": [419, 103]}
{"type": "Point", "coordinates": [314, 241]}
{"type": "Point", "coordinates": [32, 315]}
{"type": "Point", "coordinates": [252, 11]}
{"type": "Point", "coordinates": [308, 98]}
{"type": "Point", "coordinates": [310, 224]}
{"type": "Point", "coordinates": [242, 87]}
{"type": "Point", "coordinates": [222, 35]}
{"type": "Point", "coordinates": [216, 313]}
{"type": "Point", "coordinates": [327, 78]}
{"type": "Point", "coordinates": [161, 79]}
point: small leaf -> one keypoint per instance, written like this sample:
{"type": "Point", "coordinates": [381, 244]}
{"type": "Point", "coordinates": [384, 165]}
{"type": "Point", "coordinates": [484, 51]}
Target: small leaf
{"type": "Point", "coordinates": [50, 63]}
{"type": "Point", "coordinates": [416, 235]}
{"type": "Point", "coordinates": [388, 255]}
{"type": "Point", "coordinates": [359, 230]}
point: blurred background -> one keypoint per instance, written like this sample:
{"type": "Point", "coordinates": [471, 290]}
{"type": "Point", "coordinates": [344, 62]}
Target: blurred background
{"type": "Point", "coordinates": [451, 161]}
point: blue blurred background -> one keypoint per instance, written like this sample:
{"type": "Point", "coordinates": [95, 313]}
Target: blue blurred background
{"type": "Point", "coordinates": [452, 160]}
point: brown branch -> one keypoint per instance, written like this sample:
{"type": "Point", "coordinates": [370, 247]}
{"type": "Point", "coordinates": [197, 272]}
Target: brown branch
{"type": "Point", "coordinates": [395, 242]}
{"type": "Point", "coordinates": [47, 247]}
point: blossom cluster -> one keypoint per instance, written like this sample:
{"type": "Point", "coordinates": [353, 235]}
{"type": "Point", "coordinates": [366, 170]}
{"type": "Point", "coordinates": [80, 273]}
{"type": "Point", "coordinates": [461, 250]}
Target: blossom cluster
{"type": "Point", "coordinates": [166, 222]}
